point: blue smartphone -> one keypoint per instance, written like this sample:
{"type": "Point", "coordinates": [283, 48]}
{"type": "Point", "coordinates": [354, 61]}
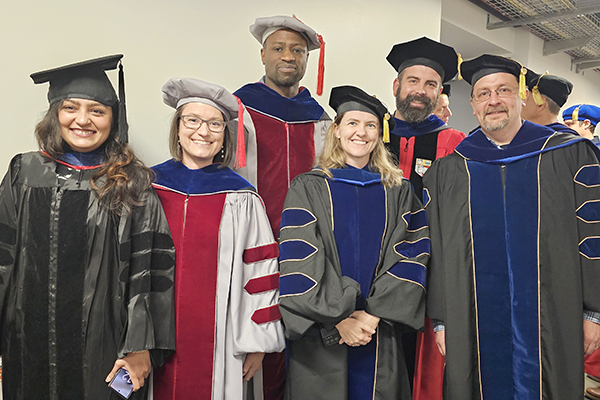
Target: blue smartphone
{"type": "Point", "coordinates": [121, 383]}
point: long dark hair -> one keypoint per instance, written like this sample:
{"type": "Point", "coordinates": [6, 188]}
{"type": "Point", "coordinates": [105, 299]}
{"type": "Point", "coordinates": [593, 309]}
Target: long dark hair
{"type": "Point", "coordinates": [121, 182]}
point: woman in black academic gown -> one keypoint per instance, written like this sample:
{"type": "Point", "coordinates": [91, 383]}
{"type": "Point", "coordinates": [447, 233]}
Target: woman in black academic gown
{"type": "Point", "coordinates": [354, 242]}
{"type": "Point", "coordinates": [86, 257]}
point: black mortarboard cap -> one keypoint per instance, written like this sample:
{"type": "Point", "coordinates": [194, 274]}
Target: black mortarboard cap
{"type": "Point", "coordinates": [351, 98]}
{"type": "Point", "coordinates": [446, 89]}
{"type": "Point", "coordinates": [555, 87]}
{"type": "Point", "coordinates": [487, 64]}
{"type": "Point", "coordinates": [87, 80]}
{"type": "Point", "coordinates": [424, 51]}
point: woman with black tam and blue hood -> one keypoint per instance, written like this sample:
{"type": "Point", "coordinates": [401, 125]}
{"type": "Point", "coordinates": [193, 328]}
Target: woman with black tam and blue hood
{"type": "Point", "coordinates": [86, 257]}
{"type": "Point", "coordinates": [354, 243]}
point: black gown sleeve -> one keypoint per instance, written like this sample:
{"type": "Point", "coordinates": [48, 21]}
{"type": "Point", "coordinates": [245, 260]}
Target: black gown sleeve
{"type": "Point", "coordinates": [397, 293]}
{"type": "Point", "coordinates": [312, 289]}
{"type": "Point", "coordinates": [8, 228]}
{"type": "Point", "coordinates": [147, 271]}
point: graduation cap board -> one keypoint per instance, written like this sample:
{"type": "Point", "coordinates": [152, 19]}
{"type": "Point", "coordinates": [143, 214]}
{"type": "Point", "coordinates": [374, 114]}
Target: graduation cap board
{"type": "Point", "coordinates": [88, 80]}
{"type": "Point", "coordinates": [351, 98]}
{"type": "Point", "coordinates": [264, 27]}
{"type": "Point", "coordinates": [555, 87]}
{"type": "Point", "coordinates": [487, 64]}
{"type": "Point", "coordinates": [423, 51]}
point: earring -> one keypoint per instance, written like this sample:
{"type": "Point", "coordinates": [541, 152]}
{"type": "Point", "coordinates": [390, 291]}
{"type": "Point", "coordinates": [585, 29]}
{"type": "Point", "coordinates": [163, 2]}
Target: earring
{"type": "Point", "coordinates": [223, 152]}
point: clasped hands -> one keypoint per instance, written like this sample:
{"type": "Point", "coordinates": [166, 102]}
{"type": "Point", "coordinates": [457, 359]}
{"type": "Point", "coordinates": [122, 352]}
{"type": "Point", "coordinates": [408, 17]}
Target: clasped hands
{"type": "Point", "coordinates": [357, 329]}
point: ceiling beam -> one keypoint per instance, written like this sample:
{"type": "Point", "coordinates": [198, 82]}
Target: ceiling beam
{"type": "Point", "coordinates": [587, 65]}
{"type": "Point", "coordinates": [576, 61]}
{"type": "Point", "coordinates": [543, 18]}
{"type": "Point", "coordinates": [556, 46]}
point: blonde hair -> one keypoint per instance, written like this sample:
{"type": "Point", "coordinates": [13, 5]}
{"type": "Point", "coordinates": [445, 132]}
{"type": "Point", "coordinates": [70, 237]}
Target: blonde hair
{"type": "Point", "coordinates": [380, 160]}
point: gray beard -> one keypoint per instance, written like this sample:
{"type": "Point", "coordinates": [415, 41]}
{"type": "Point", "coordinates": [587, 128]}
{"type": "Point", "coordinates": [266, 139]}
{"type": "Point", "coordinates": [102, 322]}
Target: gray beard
{"type": "Point", "coordinates": [492, 128]}
{"type": "Point", "coordinates": [412, 114]}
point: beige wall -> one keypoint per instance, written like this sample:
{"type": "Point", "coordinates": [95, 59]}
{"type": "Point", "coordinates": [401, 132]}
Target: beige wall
{"type": "Point", "coordinates": [208, 40]}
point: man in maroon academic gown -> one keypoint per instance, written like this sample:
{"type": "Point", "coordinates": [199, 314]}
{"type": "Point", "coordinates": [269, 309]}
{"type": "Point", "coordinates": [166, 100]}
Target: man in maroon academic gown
{"type": "Point", "coordinates": [287, 131]}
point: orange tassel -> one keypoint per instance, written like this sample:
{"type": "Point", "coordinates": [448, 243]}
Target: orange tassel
{"type": "Point", "coordinates": [240, 153]}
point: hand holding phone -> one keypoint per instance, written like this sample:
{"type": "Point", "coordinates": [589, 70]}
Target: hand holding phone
{"type": "Point", "coordinates": [121, 383]}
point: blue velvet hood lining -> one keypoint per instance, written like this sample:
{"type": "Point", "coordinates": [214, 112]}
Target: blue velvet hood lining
{"type": "Point", "coordinates": [210, 179]}
{"type": "Point", "coordinates": [301, 108]}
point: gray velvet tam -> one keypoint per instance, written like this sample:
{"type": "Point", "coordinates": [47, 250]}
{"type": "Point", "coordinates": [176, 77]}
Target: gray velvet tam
{"type": "Point", "coordinates": [265, 26]}
{"type": "Point", "coordinates": [180, 91]}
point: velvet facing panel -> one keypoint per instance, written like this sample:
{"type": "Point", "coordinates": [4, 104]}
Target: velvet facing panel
{"type": "Point", "coordinates": [360, 217]}
{"type": "Point", "coordinates": [505, 224]}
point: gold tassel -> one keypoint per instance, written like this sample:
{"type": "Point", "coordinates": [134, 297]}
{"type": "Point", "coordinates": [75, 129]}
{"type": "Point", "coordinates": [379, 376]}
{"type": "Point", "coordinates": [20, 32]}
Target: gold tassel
{"type": "Point", "coordinates": [386, 128]}
{"type": "Point", "coordinates": [522, 85]}
{"type": "Point", "coordinates": [575, 116]}
{"type": "Point", "coordinates": [460, 61]}
{"type": "Point", "coordinates": [537, 96]}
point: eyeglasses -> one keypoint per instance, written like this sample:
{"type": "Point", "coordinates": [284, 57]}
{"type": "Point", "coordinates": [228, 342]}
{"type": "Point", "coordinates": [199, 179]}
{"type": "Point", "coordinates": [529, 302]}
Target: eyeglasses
{"type": "Point", "coordinates": [502, 92]}
{"type": "Point", "coordinates": [193, 122]}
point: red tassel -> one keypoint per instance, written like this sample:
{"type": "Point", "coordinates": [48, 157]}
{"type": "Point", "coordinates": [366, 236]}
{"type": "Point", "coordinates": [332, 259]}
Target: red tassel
{"type": "Point", "coordinates": [240, 153]}
{"type": "Point", "coordinates": [321, 72]}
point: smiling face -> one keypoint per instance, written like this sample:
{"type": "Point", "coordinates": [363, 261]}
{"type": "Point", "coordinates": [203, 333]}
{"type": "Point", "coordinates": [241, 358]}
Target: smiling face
{"type": "Point", "coordinates": [199, 146]}
{"type": "Point", "coordinates": [499, 117]}
{"type": "Point", "coordinates": [358, 132]}
{"type": "Point", "coordinates": [284, 55]}
{"type": "Point", "coordinates": [416, 89]}
{"type": "Point", "coordinates": [84, 124]}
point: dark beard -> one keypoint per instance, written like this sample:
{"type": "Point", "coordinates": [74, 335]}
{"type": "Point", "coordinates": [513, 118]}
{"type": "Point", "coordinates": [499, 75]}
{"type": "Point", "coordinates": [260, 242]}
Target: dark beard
{"type": "Point", "coordinates": [411, 114]}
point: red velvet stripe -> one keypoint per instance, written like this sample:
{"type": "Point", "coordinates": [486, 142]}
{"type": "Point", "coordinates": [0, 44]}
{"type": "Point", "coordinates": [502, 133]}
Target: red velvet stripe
{"type": "Point", "coordinates": [189, 373]}
{"type": "Point", "coordinates": [283, 152]}
{"type": "Point", "coordinates": [264, 315]}
{"type": "Point", "coordinates": [429, 366]}
{"type": "Point", "coordinates": [261, 253]}
{"type": "Point", "coordinates": [405, 155]}
{"type": "Point", "coordinates": [448, 139]}
{"type": "Point", "coordinates": [262, 284]}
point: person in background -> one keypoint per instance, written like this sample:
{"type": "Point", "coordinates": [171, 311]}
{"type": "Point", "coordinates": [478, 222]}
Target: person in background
{"type": "Point", "coordinates": [354, 245]}
{"type": "Point", "coordinates": [419, 138]}
{"type": "Point", "coordinates": [514, 225]}
{"type": "Point", "coordinates": [87, 260]}
{"type": "Point", "coordinates": [227, 272]}
{"type": "Point", "coordinates": [547, 94]}
{"type": "Point", "coordinates": [583, 118]}
{"type": "Point", "coordinates": [286, 132]}
{"type": "Point", "coordinates": [442, 109]}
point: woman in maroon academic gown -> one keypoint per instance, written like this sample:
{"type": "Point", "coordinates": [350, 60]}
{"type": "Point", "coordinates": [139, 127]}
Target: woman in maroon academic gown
{"type": "Point", "coordinates": [226, 286]}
